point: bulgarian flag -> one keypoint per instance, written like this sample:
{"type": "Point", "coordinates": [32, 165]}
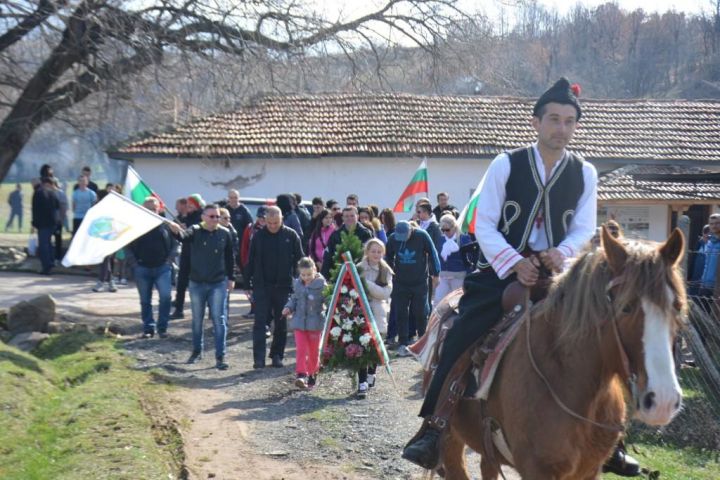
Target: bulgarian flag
{"type": "Point", "coordinates": [418, 186]}
{"type": "Point", "coordinates": [137, 190]}
{"type": "Point", "coordinates": [469, 213]}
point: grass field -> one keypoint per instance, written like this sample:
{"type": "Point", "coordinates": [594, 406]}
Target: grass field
{"type": "Point", "coordinates": [6, 188]}
{"type": "Point", "coordinates": [76, 410]}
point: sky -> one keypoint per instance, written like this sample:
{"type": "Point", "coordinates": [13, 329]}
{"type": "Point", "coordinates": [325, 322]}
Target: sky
{"type": "Point", "coordinates": [689, 6]}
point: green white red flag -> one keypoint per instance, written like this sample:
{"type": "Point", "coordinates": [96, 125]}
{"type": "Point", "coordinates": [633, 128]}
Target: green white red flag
{"type": "Point", "coordinates": [137, 190]}
{"type": "Point", "coordinates": [469, 214]}
{"type": "Point", "coordinates": [418, 187]}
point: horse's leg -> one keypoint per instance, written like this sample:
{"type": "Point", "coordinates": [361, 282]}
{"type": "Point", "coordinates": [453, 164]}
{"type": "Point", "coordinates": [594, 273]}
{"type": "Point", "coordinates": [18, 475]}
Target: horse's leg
{"type": "Point", "coordinates": [453, 458]}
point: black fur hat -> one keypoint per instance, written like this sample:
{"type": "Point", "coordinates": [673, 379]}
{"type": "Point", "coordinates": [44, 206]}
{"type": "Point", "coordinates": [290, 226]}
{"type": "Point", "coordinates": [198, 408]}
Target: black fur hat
{"type": "Point", "coordinates": [562, 92]}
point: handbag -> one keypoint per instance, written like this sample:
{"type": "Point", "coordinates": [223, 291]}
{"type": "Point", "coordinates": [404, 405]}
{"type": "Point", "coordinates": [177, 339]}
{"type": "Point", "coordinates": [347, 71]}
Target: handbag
{"type": "Point", "coordinates": [32, 245]}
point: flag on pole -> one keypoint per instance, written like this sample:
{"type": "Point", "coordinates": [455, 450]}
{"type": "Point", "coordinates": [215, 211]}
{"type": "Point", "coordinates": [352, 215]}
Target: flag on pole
{"type": "Point", "coordinates": [469, 213]}
{"type": "Point", "coordinates": [417, 187]}
{"type": "Point", "coordinates": [108, 226]}
{"type": "Point", "coordinates": [137, 190]}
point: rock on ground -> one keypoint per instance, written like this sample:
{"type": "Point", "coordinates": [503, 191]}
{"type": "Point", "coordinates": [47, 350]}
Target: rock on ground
{"type": "Point", "coordinates": [31, 315]}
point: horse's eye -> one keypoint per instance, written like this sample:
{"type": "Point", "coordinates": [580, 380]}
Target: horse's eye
{"type": "Point", "coordinates": [677, 305]}
{"type": "Point", "coordinates": [627, 309]}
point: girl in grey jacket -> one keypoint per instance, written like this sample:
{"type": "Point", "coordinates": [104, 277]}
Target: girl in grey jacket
{"type": "Point", "coordinates": [306, 307]}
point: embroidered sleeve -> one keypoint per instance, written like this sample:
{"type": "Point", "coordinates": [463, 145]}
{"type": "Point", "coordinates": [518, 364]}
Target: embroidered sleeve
{"type": "Point", "coordinates": [501, 256]}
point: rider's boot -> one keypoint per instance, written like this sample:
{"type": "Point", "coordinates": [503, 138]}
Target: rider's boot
{"type": "Point", "coordinates": [622, 464]}
{"type": "Point", "coordinates": [424, 448]}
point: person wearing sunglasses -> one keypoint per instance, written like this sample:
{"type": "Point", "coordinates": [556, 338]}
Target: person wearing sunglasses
{"type": "Point", "coordinates": [212, 275]}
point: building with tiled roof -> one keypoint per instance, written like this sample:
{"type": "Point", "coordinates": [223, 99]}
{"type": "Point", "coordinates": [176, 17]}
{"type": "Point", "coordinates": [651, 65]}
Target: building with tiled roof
{"type": "Point", "coordinates": [330, 145]}
{"type": "Point", "coordinates": [400, 125]}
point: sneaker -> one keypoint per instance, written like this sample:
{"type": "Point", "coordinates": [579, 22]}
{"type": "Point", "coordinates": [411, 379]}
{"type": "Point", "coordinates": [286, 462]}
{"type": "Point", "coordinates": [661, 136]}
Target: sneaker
{"type": "Point", "coordinates": [268, 333]}
{"type": "Point", "coordinates": [177, 314]}
{"type": "Point", "coordinates": [123, 281]}
{"type": "Point", "coordinates": [371, 380]}
{"type": "Point", "coordinates": [312, 381]}
{"type": "Point", "coordinates": [98, 287]}
{"type": "Point", "coordinates": [111, 287]}
{"type": "Point", "coordinates": [163, 334]}
{"type": "Point", "coordinates": [148, 335]}
{"type": "Point", "coordinates": [249, 315]}
{"type": "Point", "coordinates": [403, 351]}
{"type": "Point", "coordinates": [194, 357]}
{"type": "Point", "coordinates": [301, 382]}
{"type": "Point", "coordinates": [220, 364]}
{"type": "Point", "coordinates": [277, 361]}
{"type": "Point", "coordinates": [362, 390]}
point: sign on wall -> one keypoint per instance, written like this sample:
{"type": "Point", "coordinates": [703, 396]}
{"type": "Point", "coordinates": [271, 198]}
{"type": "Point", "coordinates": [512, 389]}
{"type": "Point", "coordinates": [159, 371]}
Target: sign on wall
{"type": "Point", "coordinates": [634, 220]}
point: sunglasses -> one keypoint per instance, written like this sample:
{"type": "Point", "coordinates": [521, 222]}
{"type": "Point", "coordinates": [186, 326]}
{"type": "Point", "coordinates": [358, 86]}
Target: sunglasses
{"type": "Point", "coordinates": [446, 230]}
{"type": "Point", "coordinates": [214, 217]}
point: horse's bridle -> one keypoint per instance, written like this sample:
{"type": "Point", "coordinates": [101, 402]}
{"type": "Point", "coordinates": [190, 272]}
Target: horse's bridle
{"type": "Point", "coordinates": [630, 377]}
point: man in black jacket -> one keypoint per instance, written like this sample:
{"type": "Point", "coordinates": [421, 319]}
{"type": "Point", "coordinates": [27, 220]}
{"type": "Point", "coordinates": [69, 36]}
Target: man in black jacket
{"type": "Point", "coordinates": [274, 253]}
{"type": "Point", "coordinates": [152, 253]}
{"type": "Point", "coordinates": [194, 207]}
{"type": "Point", "coordinates": [45, 207]}
{"type": "Point", "coordinates": [351, 225]}
{"type": "Point", "coordinates": [211, 277]}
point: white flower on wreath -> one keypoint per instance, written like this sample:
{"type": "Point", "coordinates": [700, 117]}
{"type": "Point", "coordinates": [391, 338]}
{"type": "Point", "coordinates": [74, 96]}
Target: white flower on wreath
{"type": "Point", "coordinates": [348, 325]}
{"type": "Point", "coordinates": [347, 338]}
{"type": "Point", "coordinates": [359, 320]}
{"type": "Point", "coordinates": [354, 293]}
{"type": "Point", "coordinates": [337, 319]}
{"type": "Point", "coordinates": [343, 289]}
{"type": "Point", "coordinates": [365, 339]}
{"type": "Point", "coordinates": [335, 332]}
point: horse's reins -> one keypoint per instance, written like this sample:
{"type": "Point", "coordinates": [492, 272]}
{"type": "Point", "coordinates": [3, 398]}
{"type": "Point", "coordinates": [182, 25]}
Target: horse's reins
{"type": "Point", "coordinates": [631, 377]}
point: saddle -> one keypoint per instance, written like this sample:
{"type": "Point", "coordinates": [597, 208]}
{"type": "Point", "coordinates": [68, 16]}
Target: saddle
{"type": "Point", "coordinates": [482, 357]}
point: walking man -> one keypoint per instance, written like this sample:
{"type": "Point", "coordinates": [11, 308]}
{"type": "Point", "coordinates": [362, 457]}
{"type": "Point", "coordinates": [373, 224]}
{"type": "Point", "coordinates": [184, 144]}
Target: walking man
{"type": "Point", "coordinates": [15, 200]}
{"type": "Point", "coordinates": [274, 253]}
{"type": "Point", "coordinates": [153, 252]}
{"type": "Point", "coordinates": [211, 276]}
{"type": "Point", "coordinates": [412, 256]}
{"type": "Point", "coordinates": [82, 199]}
{"type": "Point", "coordinates": [350, 225]}
{"type": "Point", "coordinates": [45, 208]}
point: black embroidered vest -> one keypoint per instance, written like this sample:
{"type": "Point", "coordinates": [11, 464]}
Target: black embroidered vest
{"type": "Point", "coordinates": [526, 196]}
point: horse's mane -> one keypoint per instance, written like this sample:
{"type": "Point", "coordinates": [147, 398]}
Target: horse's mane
{"type": "Point", "coordinates": [578, 297]}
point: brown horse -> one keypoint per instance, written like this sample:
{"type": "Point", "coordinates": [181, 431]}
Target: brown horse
{"type": "Point", "coordinates": [608, 322]}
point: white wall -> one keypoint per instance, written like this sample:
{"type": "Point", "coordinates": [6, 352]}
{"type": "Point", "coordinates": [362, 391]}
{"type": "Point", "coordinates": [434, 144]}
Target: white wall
{"type": "Point", "coordinates": [378, 181]}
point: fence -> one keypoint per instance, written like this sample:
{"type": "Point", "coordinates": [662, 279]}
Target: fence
{"type": "Point", "coordinates": [698, 362]}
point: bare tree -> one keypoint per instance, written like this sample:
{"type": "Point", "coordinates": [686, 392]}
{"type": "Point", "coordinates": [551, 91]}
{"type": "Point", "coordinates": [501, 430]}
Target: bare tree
{"type": "Point", "coordinates": [56, 53]}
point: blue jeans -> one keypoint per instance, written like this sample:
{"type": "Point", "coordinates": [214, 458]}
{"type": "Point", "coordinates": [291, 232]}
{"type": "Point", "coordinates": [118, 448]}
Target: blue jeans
{"type": "Point", "coordinates": [212, 295]}
{"type": "Point", "coordinates": [145, 278]}
{"type": "Point", "coordinates": [45, 248]}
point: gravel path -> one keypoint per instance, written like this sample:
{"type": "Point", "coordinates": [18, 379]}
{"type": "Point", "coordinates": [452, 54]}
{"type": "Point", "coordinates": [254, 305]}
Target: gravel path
{"type": "Point", "coordinates": [245, 423]}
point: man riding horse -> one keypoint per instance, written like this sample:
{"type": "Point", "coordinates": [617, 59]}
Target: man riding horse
{"type": "Point", "coordinates": [538, 205]}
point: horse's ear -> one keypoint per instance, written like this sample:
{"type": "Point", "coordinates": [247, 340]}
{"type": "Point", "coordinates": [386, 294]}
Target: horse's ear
{"type": "Point", "coordinates": [673, 248]}
{"type": "Point", "coordinates": [614, 251]}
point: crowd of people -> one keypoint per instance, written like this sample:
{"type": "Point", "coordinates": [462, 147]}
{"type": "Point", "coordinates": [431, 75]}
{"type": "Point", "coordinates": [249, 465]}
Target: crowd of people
{"type": "Point", "coordinates": [284, 256]}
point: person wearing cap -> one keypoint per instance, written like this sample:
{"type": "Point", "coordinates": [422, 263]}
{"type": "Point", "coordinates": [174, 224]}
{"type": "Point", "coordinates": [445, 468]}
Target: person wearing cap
{"type": "Point", "coordinates": [539, 198]}
{"type": "Point", "coordinates": [194, 208]}
{"type": "Point", "coordinates": [411, 254]}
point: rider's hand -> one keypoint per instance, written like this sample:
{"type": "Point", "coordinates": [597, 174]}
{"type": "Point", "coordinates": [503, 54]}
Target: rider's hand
{"type": "Point", "coordinates": [552, 259]}
{"type": "Point", "coordinates": [527, 271]}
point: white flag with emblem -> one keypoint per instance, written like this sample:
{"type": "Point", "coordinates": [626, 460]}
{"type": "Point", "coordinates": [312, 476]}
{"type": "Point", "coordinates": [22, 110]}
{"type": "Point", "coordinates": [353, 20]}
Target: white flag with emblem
{"type": "Point", "coordinates": [108, 226]}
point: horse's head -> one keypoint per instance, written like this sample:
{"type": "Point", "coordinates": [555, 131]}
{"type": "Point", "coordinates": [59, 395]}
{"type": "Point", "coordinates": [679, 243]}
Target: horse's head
{"type": "Point", "coordinates": [647, 305]}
